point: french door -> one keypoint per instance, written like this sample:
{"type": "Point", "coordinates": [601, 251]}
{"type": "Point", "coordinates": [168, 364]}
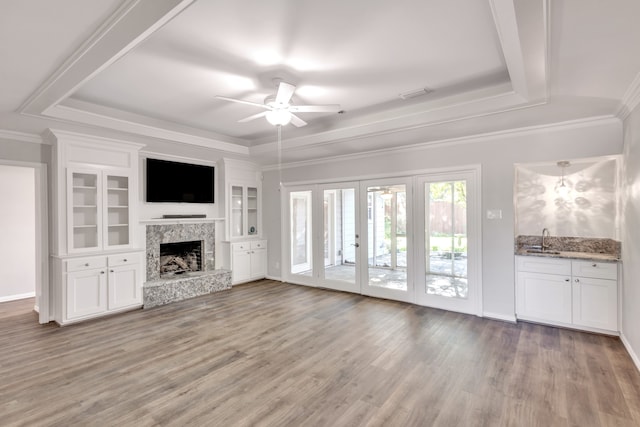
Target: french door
{"type": "Point", "coordinates": [386, 206]}
{"type": "Point", "coordinates": [413, 239]}
{"type": "Point", "coordinates": [449, 246]}
{"type": "Point", "coordinates": [323, 236]}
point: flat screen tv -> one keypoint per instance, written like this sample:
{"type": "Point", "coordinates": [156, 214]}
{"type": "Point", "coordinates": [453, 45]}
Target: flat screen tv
{"type": "Point", "coordinates": [174, 182]}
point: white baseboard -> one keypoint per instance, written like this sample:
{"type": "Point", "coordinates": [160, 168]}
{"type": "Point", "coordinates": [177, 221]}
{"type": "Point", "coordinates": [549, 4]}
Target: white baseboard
{"type": "Point", "coordinates": [277, 279]}
{"type": "Point", "coordinates": [498, 316]}
{"type": "Point", "coordinates": [632, 353]}
{"type": "Point", "coordinates": [17, 297]}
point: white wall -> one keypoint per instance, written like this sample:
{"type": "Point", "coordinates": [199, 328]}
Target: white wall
{"type": "Point", "coordinates": [631, 235]}
{"type": "Point", "coordinates": [588, 209]}
{"type": "Point", "coordinates": [17, 232]}
{"type": "Point", "coordinates": [497, 155]}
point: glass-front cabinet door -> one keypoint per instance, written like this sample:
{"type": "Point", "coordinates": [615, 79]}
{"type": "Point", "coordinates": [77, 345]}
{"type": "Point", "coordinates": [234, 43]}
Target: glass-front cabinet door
{"type": "Point", "coordinates": [252, 211]}
{"type": "Point", "coordinates": [237, 211]}
{"type": "Point", "coordinates": [84, 207]}
{"type": "Point", "coordinates": [244, 211]}
{"type": "Point", "coordinates": [117, 232]}
{"type": "Point", "coordinates": [99, 210]}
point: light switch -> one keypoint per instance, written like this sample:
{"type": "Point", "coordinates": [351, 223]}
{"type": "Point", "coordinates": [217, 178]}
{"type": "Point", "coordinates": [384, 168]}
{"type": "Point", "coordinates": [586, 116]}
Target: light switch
{"type": "Point", "coordinates": [494, 214]}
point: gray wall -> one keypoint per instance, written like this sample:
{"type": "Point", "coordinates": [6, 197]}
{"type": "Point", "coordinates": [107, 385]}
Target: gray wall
{"type": "Point", "coordinates": [24, 151]}
{"type": "Point", "coordinates": [631, 234]}
{"type": "Point", "coordinates": [497, 155]}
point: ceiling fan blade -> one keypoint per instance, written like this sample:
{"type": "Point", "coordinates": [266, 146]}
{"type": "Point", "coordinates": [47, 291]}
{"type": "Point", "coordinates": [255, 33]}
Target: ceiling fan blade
{"type": "Point", "coordinates": [331, 108]}
{"type": "Point", "coordinates": [297, 121]}
{"type": "Point", "coordinates": [285, 92]}
{"type": "Point", "coordinates": [240, 101]}
{"type": "Point", "coordinates": [255, 116]}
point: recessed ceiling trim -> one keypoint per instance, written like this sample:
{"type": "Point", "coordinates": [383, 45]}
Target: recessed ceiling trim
{"type": "Point", "coordinates": [504, 15]}
{"type": "Point", "coordinates": [133, 22]}
{"type": "Point", "coordinates": [476, 138]}
{"type": "Point", "coordinates": [523, 31]}
{"type": "Point", "coordinates": [500, 98]}
{"type": "Point", "coordinates": [76, 115]}
{"type": "Point", "coordinates": [400, 134]}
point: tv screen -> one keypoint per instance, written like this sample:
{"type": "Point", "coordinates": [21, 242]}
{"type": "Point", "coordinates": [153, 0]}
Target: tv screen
{"type": "Point", "coordinates": [179, 182]}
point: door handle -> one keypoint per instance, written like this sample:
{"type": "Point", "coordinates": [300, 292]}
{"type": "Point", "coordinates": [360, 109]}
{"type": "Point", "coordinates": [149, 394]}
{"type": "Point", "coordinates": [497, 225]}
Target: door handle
{"type": "Point", "coordinates": [357, 245]}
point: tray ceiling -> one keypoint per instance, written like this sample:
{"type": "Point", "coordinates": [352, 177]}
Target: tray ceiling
{"type": "Point", "coordinates": [153, 67]}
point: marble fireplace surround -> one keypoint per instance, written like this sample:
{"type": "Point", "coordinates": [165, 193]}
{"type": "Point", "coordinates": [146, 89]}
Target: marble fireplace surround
{"type": "Point", "coordinates": [159, 291]}
{"type": "Point", "coordinates": [174, 233]}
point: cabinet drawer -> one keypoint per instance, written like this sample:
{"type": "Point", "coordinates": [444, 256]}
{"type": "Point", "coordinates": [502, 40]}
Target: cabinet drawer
{"type": "Point", "coordinates": [237, 247]}
{"type": "Point", "coordinates": [544, 265]}
{"type": "Point", "coordinates": [259, 244]}
{"type": "Point", "coordinates": [123, 259]}
{"type": "Point", "coordinates": [597, 270]}
{"type": "Point", "coordinates": [86, 263]}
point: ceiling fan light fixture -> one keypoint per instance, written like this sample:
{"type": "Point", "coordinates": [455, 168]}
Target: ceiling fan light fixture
{"type": "Point", "coordinates": [278, 117]}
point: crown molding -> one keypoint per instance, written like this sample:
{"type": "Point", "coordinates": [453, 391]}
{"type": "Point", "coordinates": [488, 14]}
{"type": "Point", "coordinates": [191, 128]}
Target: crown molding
{"type": "Point", "coordinates": [22, 136]}
{"type": "Point", "coordinates": [123, 125]}
{"type": "Point", "coordinates": [484, 137]}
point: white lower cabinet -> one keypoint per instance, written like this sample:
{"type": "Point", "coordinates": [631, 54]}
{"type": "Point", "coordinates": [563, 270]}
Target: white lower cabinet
{"type": "Point", "coordinates": [580, 294]}
{"type": "Point", "coordinates": [248, 261]}
{"type": "Point", "coordinates": [546, 297]}
{"type": "Point", "coordinates": [595, 295]}
{"type": "Point", "coordinates": [96, 286]}
{"type": "Point", "coordinates": [86, 293]}
{"type": "Point", "coordinates": [125, 288]}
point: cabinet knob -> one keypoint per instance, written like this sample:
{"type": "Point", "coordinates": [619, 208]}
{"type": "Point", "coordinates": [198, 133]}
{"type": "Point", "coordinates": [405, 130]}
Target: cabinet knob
{"type": "Point", "coordinates": [86, 264]}
{"type": "Point", "coordinates": [111, 271]}
{"type": "Point", "coordinates": [577, 280]}
{"type": "Point", "coordinates": [102, 272]}
{"type": "Point", "coordinates": [125, 260]}
{"type": "Point", "coordinates": [566, 280]}
{"type": "Point", "coordinates": [594, 265]}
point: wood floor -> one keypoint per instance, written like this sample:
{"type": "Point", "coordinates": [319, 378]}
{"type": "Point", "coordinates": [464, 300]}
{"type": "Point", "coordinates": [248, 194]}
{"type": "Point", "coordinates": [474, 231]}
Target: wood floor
{"type": "Point", "coordinates": [273, 354]}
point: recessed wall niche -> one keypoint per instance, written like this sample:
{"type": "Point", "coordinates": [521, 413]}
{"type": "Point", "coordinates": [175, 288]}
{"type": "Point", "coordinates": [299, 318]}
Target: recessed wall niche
{"type": "Point", "coordinates": [587, 207]}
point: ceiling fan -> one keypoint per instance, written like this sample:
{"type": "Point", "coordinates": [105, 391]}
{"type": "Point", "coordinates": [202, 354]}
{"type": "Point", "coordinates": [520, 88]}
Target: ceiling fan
{"type": "Point", "coordinates": [279, 108]}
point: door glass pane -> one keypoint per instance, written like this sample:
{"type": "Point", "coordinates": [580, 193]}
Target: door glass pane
{"type": "Point", "coordinates": [387, 240]}
{"type": "Point", "coordinates": [446, 238]}
{"type": "Point", "coordinates": [301, 243]}
{"type": "Point", "coordinates": [117, 210]}
{"type": "Point", "coordinates": [252, 210]}
{"type": "Point", "coordinates": [237, 220]}
{"type": "Point", "coordinates": [85, 210]}
{"type": "Point", "coordinates": [339, 235]}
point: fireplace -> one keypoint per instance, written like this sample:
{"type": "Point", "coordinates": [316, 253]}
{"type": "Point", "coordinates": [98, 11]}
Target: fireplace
{"type": "Point", "coordinates": [180, 257]}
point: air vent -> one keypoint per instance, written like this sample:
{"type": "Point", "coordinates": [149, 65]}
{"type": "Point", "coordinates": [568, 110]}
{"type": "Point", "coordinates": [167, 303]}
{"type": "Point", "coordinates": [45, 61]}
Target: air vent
{"type": "Point", "coordinates": [415, 93]}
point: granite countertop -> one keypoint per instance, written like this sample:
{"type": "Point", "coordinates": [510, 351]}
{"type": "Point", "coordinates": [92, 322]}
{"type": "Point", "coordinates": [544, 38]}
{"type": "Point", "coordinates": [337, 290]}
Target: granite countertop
{"type": "Point", "coordinates": [585, 256]}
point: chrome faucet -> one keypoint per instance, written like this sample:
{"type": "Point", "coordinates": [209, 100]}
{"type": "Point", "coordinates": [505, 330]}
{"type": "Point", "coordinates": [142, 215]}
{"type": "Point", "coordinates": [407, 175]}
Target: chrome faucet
{"type": "Point", "coordinates": [545, 235]}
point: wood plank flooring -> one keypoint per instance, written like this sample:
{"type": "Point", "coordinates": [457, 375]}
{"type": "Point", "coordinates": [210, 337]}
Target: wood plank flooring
{"type": "Point", "coordinates": [273, 354]}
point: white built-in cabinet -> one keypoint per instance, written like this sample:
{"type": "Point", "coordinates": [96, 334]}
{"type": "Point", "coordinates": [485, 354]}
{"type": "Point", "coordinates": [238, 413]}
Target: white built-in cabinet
{"type": "Point", "coordinates": [244, 210]}
{"type": "Point", "coordinates": [99, 205]}
{"type": "Point", "coordinates": [244, 251]}
{"type": "Point", "coordinates": [248, 261]}
{"type": "Point", "coordinates": [565, 292]}
{"type": "Point", "coordinates": [98, 285]}
{"type": "Point", "coordinates": [96, 262]}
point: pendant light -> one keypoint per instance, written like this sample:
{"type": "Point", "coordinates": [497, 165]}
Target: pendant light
{"type": "Point", "coordinates": [562, 188]}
